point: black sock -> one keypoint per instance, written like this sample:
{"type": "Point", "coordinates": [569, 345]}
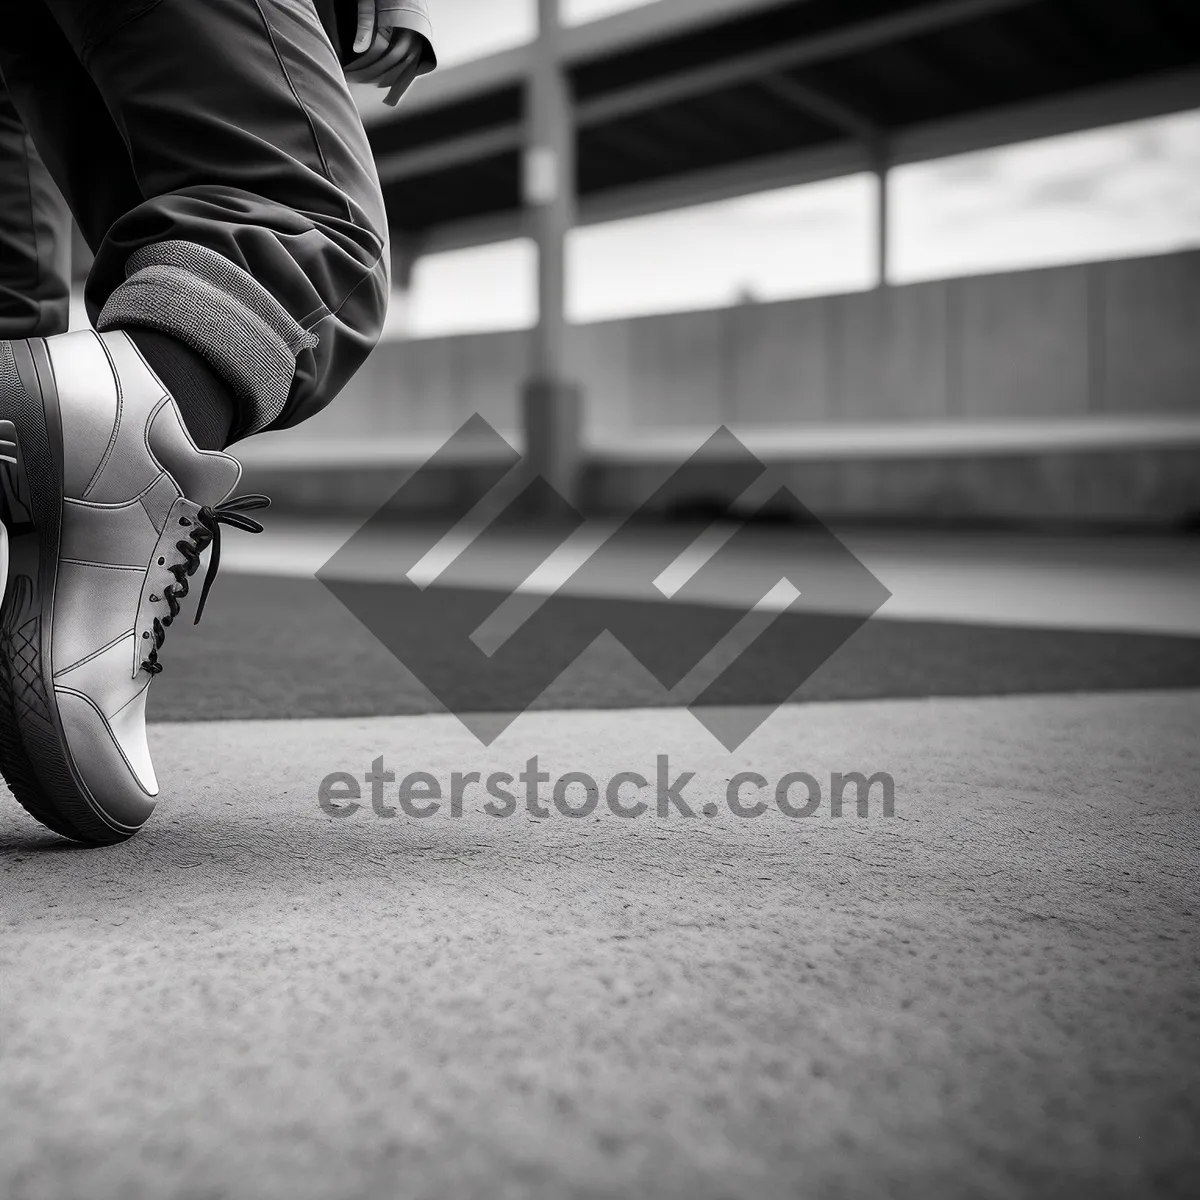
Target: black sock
{"type": "Point", "coordinates": [203, 397]}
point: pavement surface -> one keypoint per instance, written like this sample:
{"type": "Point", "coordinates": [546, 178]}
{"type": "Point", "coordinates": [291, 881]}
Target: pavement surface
{"type": "Point", "coordinates": [279, 991]}
{"type": "Point", "coordinates": [990, 993]}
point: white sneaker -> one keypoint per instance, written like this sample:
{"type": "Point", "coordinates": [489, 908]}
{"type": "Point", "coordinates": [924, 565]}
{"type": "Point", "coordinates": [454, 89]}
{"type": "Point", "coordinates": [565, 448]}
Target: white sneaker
{"type": "Point", "coordinates": [108, 505]}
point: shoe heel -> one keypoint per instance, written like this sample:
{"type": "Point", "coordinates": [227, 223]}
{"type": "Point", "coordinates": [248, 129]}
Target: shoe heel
{"type": "Point", "coordinates": [32, 756]}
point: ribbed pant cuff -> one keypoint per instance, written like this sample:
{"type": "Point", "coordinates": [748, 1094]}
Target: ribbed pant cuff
{"type": "Point", "coordinates": [221, 312]}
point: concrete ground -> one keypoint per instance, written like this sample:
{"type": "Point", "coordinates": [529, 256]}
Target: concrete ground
{"type": "Point", "coordinates": [1143, 583]}
{"type": "Point", "coordinates": [991, 993]}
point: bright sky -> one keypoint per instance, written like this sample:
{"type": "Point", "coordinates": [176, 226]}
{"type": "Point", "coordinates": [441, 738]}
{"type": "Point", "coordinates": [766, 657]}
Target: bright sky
{"type": "Point", "coordinates": [1128, 190]}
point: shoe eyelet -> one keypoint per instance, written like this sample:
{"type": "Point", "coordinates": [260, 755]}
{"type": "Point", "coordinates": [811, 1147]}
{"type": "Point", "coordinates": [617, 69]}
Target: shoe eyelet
{"type": "Point", "coordinates": [184, 521]}
{"type": "Point", "coordinates": [161, 561]}
{"type": "Point", "coordinates": [145, 635]}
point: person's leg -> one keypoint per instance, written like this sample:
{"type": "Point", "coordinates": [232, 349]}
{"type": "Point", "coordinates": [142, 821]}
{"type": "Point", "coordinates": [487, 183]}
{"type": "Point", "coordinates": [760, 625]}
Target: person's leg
{"type": "Point", "coordinates": [35, 236]}
{"type": "Point", "coordinates": [258, 236]}
{"type": "Point", "coordinates": [49, 101]}
{"type": "Point", "coordinates": [222, 174]}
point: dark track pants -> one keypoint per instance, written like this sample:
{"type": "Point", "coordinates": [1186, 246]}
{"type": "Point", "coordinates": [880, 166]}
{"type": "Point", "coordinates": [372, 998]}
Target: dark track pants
{"type": "Point", "coordinates": [215, 162]}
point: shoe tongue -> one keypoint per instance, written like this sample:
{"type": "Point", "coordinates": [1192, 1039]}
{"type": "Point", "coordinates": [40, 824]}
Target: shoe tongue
{"type": "Point", "coordinates": [206, 477]}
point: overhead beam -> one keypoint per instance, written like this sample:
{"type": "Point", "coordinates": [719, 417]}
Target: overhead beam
{"type": "Point", "coordinates": [820, 105]}
{"type": "Point", "coordinates": [453, 152]}
{"type": "Point", "coordinates": [1074, 112]}
{"type": "Point", "coordinates": [762, 67]}
{"type": "Point", "coordinates": [656, 22]}
{"type": "Point", "coordinates": [805, 51]}
{"type": "Point", "coordinates": [653, 22]}
{"type": "Point", "coordinates": [631, 144]}
{"type": "Point", "coordinates": [1176, 91]}
{"type": "Point", "coordinates": [581, 43]}
{"type": "Point", "coordinates": [690, 129]}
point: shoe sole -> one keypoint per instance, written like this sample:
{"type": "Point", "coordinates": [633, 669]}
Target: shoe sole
{"type": "Point", "coordinates": [34, 757]}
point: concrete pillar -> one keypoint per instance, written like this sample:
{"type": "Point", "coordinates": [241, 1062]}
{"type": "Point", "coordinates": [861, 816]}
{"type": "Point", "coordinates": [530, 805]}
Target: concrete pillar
{"type": "Point", "coordinates": [552, 400]}
{"type": "Point", "coordinates": [883, 232]}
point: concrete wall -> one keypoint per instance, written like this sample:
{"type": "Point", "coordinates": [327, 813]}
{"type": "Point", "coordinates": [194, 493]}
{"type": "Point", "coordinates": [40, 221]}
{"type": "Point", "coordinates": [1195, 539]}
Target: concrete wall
{"type": "Point", "coordinates": [1104, 338]}
{"type": "Point", "coordinates": [913, 368]}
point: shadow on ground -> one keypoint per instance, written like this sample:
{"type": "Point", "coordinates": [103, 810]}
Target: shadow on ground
{"type": "Point", "coordinates": [276, 647]}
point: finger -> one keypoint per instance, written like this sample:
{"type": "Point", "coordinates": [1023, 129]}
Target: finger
{"type": "Point", "coordinates": [404, 82]}
{"type": "Point", "coordinates": [356, 67]}
{"type": "Point", "coordinates": [409, 64]}
{"type": "Point", "coordinates": [395, 56]}
{"type": "Point", "coordinates": [366, 25]}
{"type": "Point", "coordinates": [388, 78]}
{"type": "Point", "coordinates": [371, 66]}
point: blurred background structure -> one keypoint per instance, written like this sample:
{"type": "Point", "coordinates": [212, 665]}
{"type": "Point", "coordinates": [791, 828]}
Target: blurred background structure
{"type": "Point", "coordinates": [934, 259]}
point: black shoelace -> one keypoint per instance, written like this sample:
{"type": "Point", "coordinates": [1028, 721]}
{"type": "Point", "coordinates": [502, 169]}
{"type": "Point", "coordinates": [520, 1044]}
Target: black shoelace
{"type": "Point", "coordinates": [205, 531]}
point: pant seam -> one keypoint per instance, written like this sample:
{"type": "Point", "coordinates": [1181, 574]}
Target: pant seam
{"type": "Point", "coordinates": [366, 275]}
{"type": "Point", "coordinates": [312, 128]}
{"type": "Point", "coordinates": [315, 317]}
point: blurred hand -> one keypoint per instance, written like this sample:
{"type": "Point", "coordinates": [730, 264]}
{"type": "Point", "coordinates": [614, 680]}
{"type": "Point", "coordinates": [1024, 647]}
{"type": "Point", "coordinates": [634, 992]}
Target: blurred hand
{"type": "Point", "coordinates": [385, 56]}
